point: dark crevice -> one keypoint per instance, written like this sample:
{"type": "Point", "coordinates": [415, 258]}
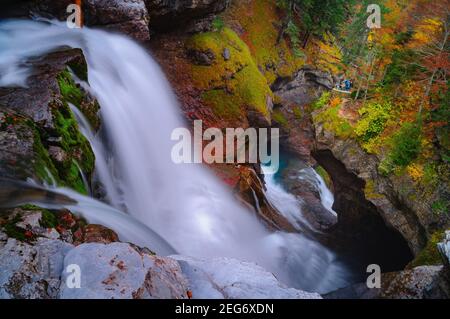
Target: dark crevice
{"type": "Point", "coordinates": [361, 234]}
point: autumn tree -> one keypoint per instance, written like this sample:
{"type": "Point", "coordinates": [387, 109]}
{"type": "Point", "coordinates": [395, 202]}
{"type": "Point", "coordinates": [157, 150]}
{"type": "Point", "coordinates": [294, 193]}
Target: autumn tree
{"type": "Point", "coordinates": [430, 44]}
{"type": "Point", "coordinates": [314, 17]}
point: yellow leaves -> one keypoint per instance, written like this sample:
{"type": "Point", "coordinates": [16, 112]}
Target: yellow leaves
{"type": "Point", "coordinates": [424, 32]}
{"type": "Point", "coordinates": [335, 101]}
{"type": "Point", "coordinates": [329, 56]}
{"type": "Point", "coordinates": [415, 171]}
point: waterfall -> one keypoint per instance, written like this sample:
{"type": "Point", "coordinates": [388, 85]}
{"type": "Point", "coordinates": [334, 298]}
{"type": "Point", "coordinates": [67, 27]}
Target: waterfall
{"type": "Point", "coordinates": [185, 204]}
{"type": "Point", "coordinates": [326, 196]}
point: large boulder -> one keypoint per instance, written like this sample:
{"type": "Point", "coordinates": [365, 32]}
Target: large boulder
{"type": "Point", "coordinates": [127, 16]}
{"type": "Point", "coordinates": [233, 279]}
{"type": "Point", "coordinates": [118, 271]}
{"type": "Point", "coordinates": [167, 14]}
{"type": "Point", "coordinates": [31, 271]}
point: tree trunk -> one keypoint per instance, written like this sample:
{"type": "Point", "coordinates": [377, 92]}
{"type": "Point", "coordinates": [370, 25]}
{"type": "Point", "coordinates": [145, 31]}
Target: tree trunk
{"type": "Point", "coordinates": [306, 38]}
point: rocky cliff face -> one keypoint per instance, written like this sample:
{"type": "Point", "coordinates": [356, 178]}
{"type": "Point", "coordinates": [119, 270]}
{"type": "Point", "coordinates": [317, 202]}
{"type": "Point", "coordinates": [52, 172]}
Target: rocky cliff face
{"type": "Point", "coordinates": [193, 14]}
{"type": "Point", "coordinates": [391, 197]}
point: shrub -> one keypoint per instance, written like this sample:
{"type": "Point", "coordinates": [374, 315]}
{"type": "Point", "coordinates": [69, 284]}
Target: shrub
{"type": "Point", "coordinates": [406, 144]}
{"type": "Point", "coordinates": [440, 206]}
{"type": "Point", "coordinates": [373, 120]}
{"type": "Point", "coordinates": [218, 24]}
{"type": "Point", "coordinates": [322, 101]}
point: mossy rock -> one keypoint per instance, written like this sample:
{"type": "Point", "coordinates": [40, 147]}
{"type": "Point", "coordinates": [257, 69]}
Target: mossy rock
{"type": "Point", "coordinates": [325, 176]}
{"type": "Point", "coordinates": [334, 123]}
{"type": "Point", "coordinates": [430, 254]}
{"type": "Point", "coordinates": [232, 83]}
{"type": "Point", "coordinates": [259, 19]}
{"type": "Point", "coordinates": [280, 118]}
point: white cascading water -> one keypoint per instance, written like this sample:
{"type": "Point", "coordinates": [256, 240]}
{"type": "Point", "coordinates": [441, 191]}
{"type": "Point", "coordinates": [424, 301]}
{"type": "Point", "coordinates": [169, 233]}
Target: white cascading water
{"type": "Point", "coordinates": [286, 203]}
{"type": "Point", "coordinates": [185, 204]}
{"type": "Point", "coordinates": [326, 196]}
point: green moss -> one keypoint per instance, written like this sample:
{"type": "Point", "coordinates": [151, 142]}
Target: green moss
{"type": "Point", "coordinates": [223, 104]}
{"type": "Point", "coordinates": [72, 142]}
{"type": "Point", "coordinates": [72, 93]}
{"type": "Point", "coordinates": [80, 69]}
{"type": "Point", "coordinates": [13, 231]}
{"type": "Point", "coordinates": [218, 24]}
{"type": "Point", "coordinates": [236, 80]}
{"type": "Point", "coordinates": [43, 165]}
{"type": "Point", "coordinates": [430, 254]}
{"type": "Point", "coordinates": [48, 219]}
{"type": "Point", "coordinates": [325, 176]}
{"type": "Point", "coordinates": [322, 101]}
{"type": "Point", "coordinates": [298, 113]}
{"type": "Point", "coordinates": [69, 90]}
{"type": "Point", "coordinates": [279, 117]}
{"type": "Point", "coordinates": [259, 20]}
{"type": "Point", "coordinates": [334, 123]}
{"type": "Point", "coordinates": [30, 207]}
{"type": "Point", "coordinates": [441, 206]}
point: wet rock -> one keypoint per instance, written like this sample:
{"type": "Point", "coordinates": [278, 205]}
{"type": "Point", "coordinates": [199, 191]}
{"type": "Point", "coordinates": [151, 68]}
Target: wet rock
{"type": "Point", "coordinates": [99, 234]}
{"type": "Point", "coordinates": [362, 228]}
{"type": "Point", "coordinates": [127, 16]}
{"type": "Point", "coordinates": [166, 15]}
{"type": "Point", "coordinates": [251, 190]}
{"type": "Point", "coordinates": [118, 271]}
{"type": "Point", "coordinates": [293, 96]}
{"type": "Point", "coordinates": [42, 91]}
{"type": "Point", "coordinates": [232, 279]}
{"type": "Point", "coordinates": [38, 131]}
{"type": "Point", "coordinates": [299, 180]}
{"type": "Point", "coordinates": [57, 153]}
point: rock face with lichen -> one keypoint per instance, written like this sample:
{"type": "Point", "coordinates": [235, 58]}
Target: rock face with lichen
{"type": "Point", "coordinates": [166, 14]}
{"type": "Point", "coordinates": [412, 217]}
{"type": "Point", "coordinates": [37, 126]}
{"type": "Point", "coordinates": [127, 16]}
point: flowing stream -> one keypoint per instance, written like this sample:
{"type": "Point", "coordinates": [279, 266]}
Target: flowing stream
{"type": "Point", "coordinates": [169, 205]}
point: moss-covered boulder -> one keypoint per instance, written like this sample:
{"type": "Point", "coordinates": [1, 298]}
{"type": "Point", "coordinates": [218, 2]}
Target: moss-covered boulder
{"type": "Point", "coordinates": [232, 84]}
